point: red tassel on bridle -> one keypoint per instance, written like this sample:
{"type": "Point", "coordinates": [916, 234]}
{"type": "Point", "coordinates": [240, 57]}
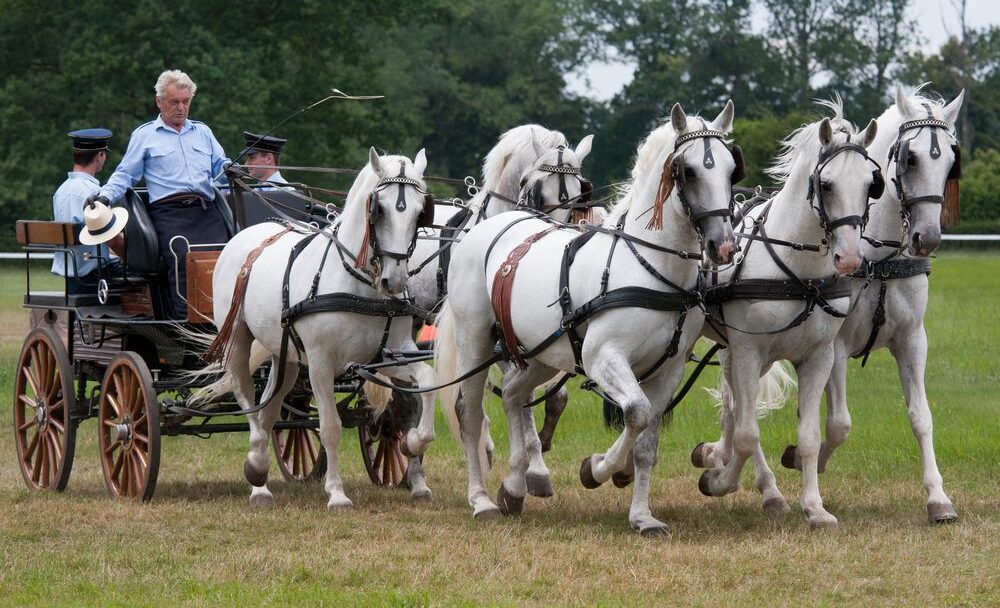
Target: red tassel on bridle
{"type": "Point", "coordinates": [662, 194]}
{"type": "Point", "coordinates": [361, 260]}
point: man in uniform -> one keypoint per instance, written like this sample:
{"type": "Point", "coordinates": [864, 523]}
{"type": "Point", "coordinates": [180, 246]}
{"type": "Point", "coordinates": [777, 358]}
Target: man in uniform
{"type": "Point", "coordinates": [263, 153]}
{"type": "Point", "coordinates": [90, 151]}
{"type": "Point", "coordinates": [179, 159]}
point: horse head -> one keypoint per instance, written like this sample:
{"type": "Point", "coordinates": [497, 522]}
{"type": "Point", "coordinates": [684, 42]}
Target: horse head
{"type": "Point", "coordinates": [701, 170]}
{"type": "Point", "coordinates": [553, 184]}
{"type": "Point", "coordinates": [922, 162]}
{"type": "Point", "coordinates": [396, 207]}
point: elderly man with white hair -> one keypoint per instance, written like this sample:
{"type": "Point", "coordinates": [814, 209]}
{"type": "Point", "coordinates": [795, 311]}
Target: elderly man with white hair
{"type": "Point", "coordinates": [179, 159]}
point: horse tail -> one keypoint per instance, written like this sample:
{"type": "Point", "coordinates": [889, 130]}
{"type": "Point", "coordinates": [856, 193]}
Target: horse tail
{"type": "Point", "coordinates": [446, 365]}
{"type": "Point", "coordinates": [377, 396]}
{"type": "Point", "coordinates": [775, 389]}
{"type": "Point", "coordinates": [225, 384]}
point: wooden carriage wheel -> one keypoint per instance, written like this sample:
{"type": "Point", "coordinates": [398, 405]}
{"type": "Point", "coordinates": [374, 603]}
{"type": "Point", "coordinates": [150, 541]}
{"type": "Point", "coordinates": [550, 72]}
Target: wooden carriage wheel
{"type": "Point", "coordinates": [44, 435]}
{"type": "Point", "coordinates": [380, 449]}
{"type": "Point", "coordinates": [129, 426]}
{"type": "Point", "coordinates": [299, 452]}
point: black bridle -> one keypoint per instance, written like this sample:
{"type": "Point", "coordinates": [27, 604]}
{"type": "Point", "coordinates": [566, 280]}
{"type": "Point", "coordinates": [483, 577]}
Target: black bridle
{"type": "Point", "coordinates": [374, 212]}
{"type": "Point", "coordinates": [532, 197]}
{"type": "Point", "coordinates": [899, 154]}
{"type": "Point", "coordinates": [816, 188]}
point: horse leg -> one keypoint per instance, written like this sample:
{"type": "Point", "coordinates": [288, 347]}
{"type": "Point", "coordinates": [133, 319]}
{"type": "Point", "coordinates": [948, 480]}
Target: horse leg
{"type": "Point", "coordinates": [258, 462]}
{"type": "Point", "coordinates": [644, 456]}
{"type": "Point", "coordinates": [710, 455]}
{"type": "Point", "coordinates": [614, 374]}
{"type": "Point", "coordinates": [330, 429]}
{"type": "Point", "coordinates": [813, 374]}
{"type": "Point", "coordinates": [538, 476]}
{"type": "Point", "coordinates": [517, 389]}
{"type": "Point", "coordinates": [911, 358]}
{"type": "Point", "coordinates": [417, 439]}
{"type": "Point", "coordinates": [554, 407]}
{"type": "Point", "coordinates": [742, 373]}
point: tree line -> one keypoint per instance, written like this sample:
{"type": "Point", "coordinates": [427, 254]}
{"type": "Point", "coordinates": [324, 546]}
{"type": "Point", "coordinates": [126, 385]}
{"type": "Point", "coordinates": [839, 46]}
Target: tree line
{"type": "Point", "coordinates": [458, 73]}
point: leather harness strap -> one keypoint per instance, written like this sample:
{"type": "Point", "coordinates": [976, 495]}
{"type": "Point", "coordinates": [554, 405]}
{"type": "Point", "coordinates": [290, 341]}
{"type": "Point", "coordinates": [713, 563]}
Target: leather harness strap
{"type": "Point", "coordinates": [503, 284]}
{"type": "Point", "coordinates": [220, 346]}
{"type": "Point", "coordinates": [885, 271]}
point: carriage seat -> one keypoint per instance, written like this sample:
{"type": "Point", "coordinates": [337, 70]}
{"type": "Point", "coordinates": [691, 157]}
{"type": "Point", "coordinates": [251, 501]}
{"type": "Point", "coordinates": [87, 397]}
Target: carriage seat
{"type": "Point", "coordinates": [142, 247]}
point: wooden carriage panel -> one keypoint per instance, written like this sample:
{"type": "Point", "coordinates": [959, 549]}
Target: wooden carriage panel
{"type": "Point", "coordinates": [138, 302]}
{"type": "Point", "coordinates": [31, 232]}
{"type": "Point", "coordinates": [200, 266]}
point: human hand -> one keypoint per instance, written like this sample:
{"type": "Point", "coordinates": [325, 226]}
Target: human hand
{"type": "Point", "coordinates": [97, 198]}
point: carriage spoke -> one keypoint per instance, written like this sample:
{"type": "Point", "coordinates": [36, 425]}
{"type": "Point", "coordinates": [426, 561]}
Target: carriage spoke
{"type": "Point", "coordinates": [57, 424]}
{"type": "Point", "coordinates": [141, 456]}
{"type": "Point", "coordinates": [32, 446]}
{"type": "Point", "coordinates": [56, 446]}
{"type": "Point", "coordinates": [27, 425]}
{"type": "Point", "coordinates": [108, 451]}
{"type": "Point", "coordinates": [39, 451]}
{"type": "Point", "coordinates": [115, 406]}
{"type": "Point", "coordinates": [119, 460]}
{"type": "Point", "coordinates": [118, 392]}
{"type": "Point", "coordinates": [313, 452]}
{"type": "Point", "coordinates": [44, 469]}
{"type": "Point", "coordinates": [124, 476]}
{"type": "Point", "coordinates": [28, 401]}
{"type": "Point", "coordinates": [140, 437]}
{"type": "Point", "coordinates": [136, 474]}
{"type": "Point", "coordinates": [286, 446]}
{"type": "Point", "coordinates": [29, 375]}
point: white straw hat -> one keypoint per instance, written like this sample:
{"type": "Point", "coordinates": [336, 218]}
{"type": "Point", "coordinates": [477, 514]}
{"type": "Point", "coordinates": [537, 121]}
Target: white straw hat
{"type": "Point", "coordinates": [102, 223]}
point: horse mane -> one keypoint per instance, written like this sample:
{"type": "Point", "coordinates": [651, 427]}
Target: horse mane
{"type": "Point", "coordinates": [507, 160]}
{"type": "Point", "coordinates": [646, 157]}
{"type": "Point", "coordinates": [804, 141]}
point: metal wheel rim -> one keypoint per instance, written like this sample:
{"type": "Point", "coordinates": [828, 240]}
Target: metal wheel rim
{"type": "Point", "coordinates": [380, 450]}
{"type": "Point", "coordinates": [299, 452]}
{"type": "Point", "coordinates": [44, 435]}
{"type": "Point", "coordinates": [129, 427]}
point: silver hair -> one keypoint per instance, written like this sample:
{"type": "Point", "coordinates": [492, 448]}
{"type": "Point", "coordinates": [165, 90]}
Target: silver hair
{"type": "Point", "coordinates": [174, 77]}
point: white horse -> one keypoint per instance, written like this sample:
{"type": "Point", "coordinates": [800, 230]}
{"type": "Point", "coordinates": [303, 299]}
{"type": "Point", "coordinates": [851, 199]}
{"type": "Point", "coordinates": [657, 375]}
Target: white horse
{"type": "Point", "coordinates": [916, 145]}
{"type": "Point", "coordinates": [366, 252]}
{"type": "Point", "coordinates": [676, 204]}
{"type": "Point", "coordinates": [828, 180]}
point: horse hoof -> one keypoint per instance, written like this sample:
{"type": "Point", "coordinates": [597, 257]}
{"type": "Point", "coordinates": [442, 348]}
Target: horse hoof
{"type": "Point", "coordinates": [261, 500]}
{"type": "Point", "coordinates": [253, 476]}
{"type": "Point", "coordinates": [698, 456]}
{"type": "Point", "coordinates": [788, 459]}
{"type": "Point", "coordinates": [508, 503]}
{"type": "Point", "coordinates": [823, 522]}
{"type": "Point", "coordinates": [776, 507]}
{"type": "Point", "coordinates": [422, 495]}
{"type": "Point", "coordinates": [654, 530]}
{"type": "Point", "coordinates": [941, 513]}
{"type": "Point", "coordinates": [343, 505]}
{"type": "Point", "coordinates": [587, 475]}
{"type": "Point", "coordinates": [703, 486]}
{"type": "Point", "coordinates": [487, 514]}
{"type": "Point", "coordinates": [622, 479]}
{"type": "Point", "coordinates": [539, 485]}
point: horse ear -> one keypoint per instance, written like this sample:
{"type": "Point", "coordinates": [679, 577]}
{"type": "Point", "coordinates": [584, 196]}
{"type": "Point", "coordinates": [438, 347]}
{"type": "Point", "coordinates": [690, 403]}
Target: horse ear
{"type": "Point", "coordinates": [678, 119]}
{"type": "Point", "coordinates": [724, 121]}
{"type": "Point", "coordinates": [375, 163]}
{"type": "Point", "coordinates": [420, 162]}
{"type": "Point", "coordinates": [870, 132]}
{"type": "Point", "coordinates": [825, 132]}
{"type": "Point", "coordinates": [583, 148]}
{"type": "Point", "coordinates": [903, 103]}
{"type": "Point", "coordinates": [950, 112]}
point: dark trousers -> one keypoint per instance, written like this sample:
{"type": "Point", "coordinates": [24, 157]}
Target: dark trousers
{"type": "Point", "coordinates": [200, 222]}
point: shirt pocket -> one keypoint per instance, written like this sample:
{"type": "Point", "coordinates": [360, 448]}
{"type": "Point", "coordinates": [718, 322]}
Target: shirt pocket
{"type": "Point", "coordinates": [162, 161]}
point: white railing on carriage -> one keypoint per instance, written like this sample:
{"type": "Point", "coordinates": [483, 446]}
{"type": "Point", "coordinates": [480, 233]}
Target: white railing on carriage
{"type": "Point", "coordinates": [946, 237]}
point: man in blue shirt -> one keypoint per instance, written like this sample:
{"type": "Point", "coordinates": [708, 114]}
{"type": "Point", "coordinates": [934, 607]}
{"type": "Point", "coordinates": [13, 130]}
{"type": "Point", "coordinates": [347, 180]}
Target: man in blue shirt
{"type": "Point", "coordinates": [90, 151]}
{"type": "Point", "coordinates": [179, 159]}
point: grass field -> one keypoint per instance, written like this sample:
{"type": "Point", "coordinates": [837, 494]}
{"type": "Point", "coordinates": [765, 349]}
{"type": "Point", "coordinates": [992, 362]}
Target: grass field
{"type": "Point", "coordinates": [199, 543]}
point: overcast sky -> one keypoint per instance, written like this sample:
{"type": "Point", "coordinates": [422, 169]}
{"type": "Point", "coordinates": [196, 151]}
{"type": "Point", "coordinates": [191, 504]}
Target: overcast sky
{"type": "Point", "coordinates": [936, 20]}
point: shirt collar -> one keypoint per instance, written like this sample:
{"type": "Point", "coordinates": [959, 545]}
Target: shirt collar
{"type": "Point", "coordinates": [84, 176]}
{"type": "Point", "coordinates": [160, 124]}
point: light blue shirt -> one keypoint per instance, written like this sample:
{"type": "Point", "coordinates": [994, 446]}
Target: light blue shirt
{"type": "Point", "coordinates": [67, 206]}
{"type": "Point", "coordinates": [171, 162]}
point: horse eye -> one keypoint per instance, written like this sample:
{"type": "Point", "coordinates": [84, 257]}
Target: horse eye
{"type": "Point", "coordinates": [911, 162]}
{"type": "Point", "coordinates": [826, 186]}
{"type": "Point", "coordinates": [688, 172]}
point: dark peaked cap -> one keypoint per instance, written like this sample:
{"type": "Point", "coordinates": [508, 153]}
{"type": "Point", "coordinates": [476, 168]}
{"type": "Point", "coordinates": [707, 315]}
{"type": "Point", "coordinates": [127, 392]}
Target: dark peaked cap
{"type": "Point", "coordinates": [86, 140]}
{"type": "Point", "coordinates": [265, 143]}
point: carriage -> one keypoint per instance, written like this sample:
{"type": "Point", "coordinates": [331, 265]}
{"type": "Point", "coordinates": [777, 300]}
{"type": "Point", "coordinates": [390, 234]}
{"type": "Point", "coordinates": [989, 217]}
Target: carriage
{"type": "Point", "coordinates": [114, 355]}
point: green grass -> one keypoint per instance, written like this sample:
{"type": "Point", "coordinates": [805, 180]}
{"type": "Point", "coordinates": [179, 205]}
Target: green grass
{"type": "Point", "coordinates": [199, 543]}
